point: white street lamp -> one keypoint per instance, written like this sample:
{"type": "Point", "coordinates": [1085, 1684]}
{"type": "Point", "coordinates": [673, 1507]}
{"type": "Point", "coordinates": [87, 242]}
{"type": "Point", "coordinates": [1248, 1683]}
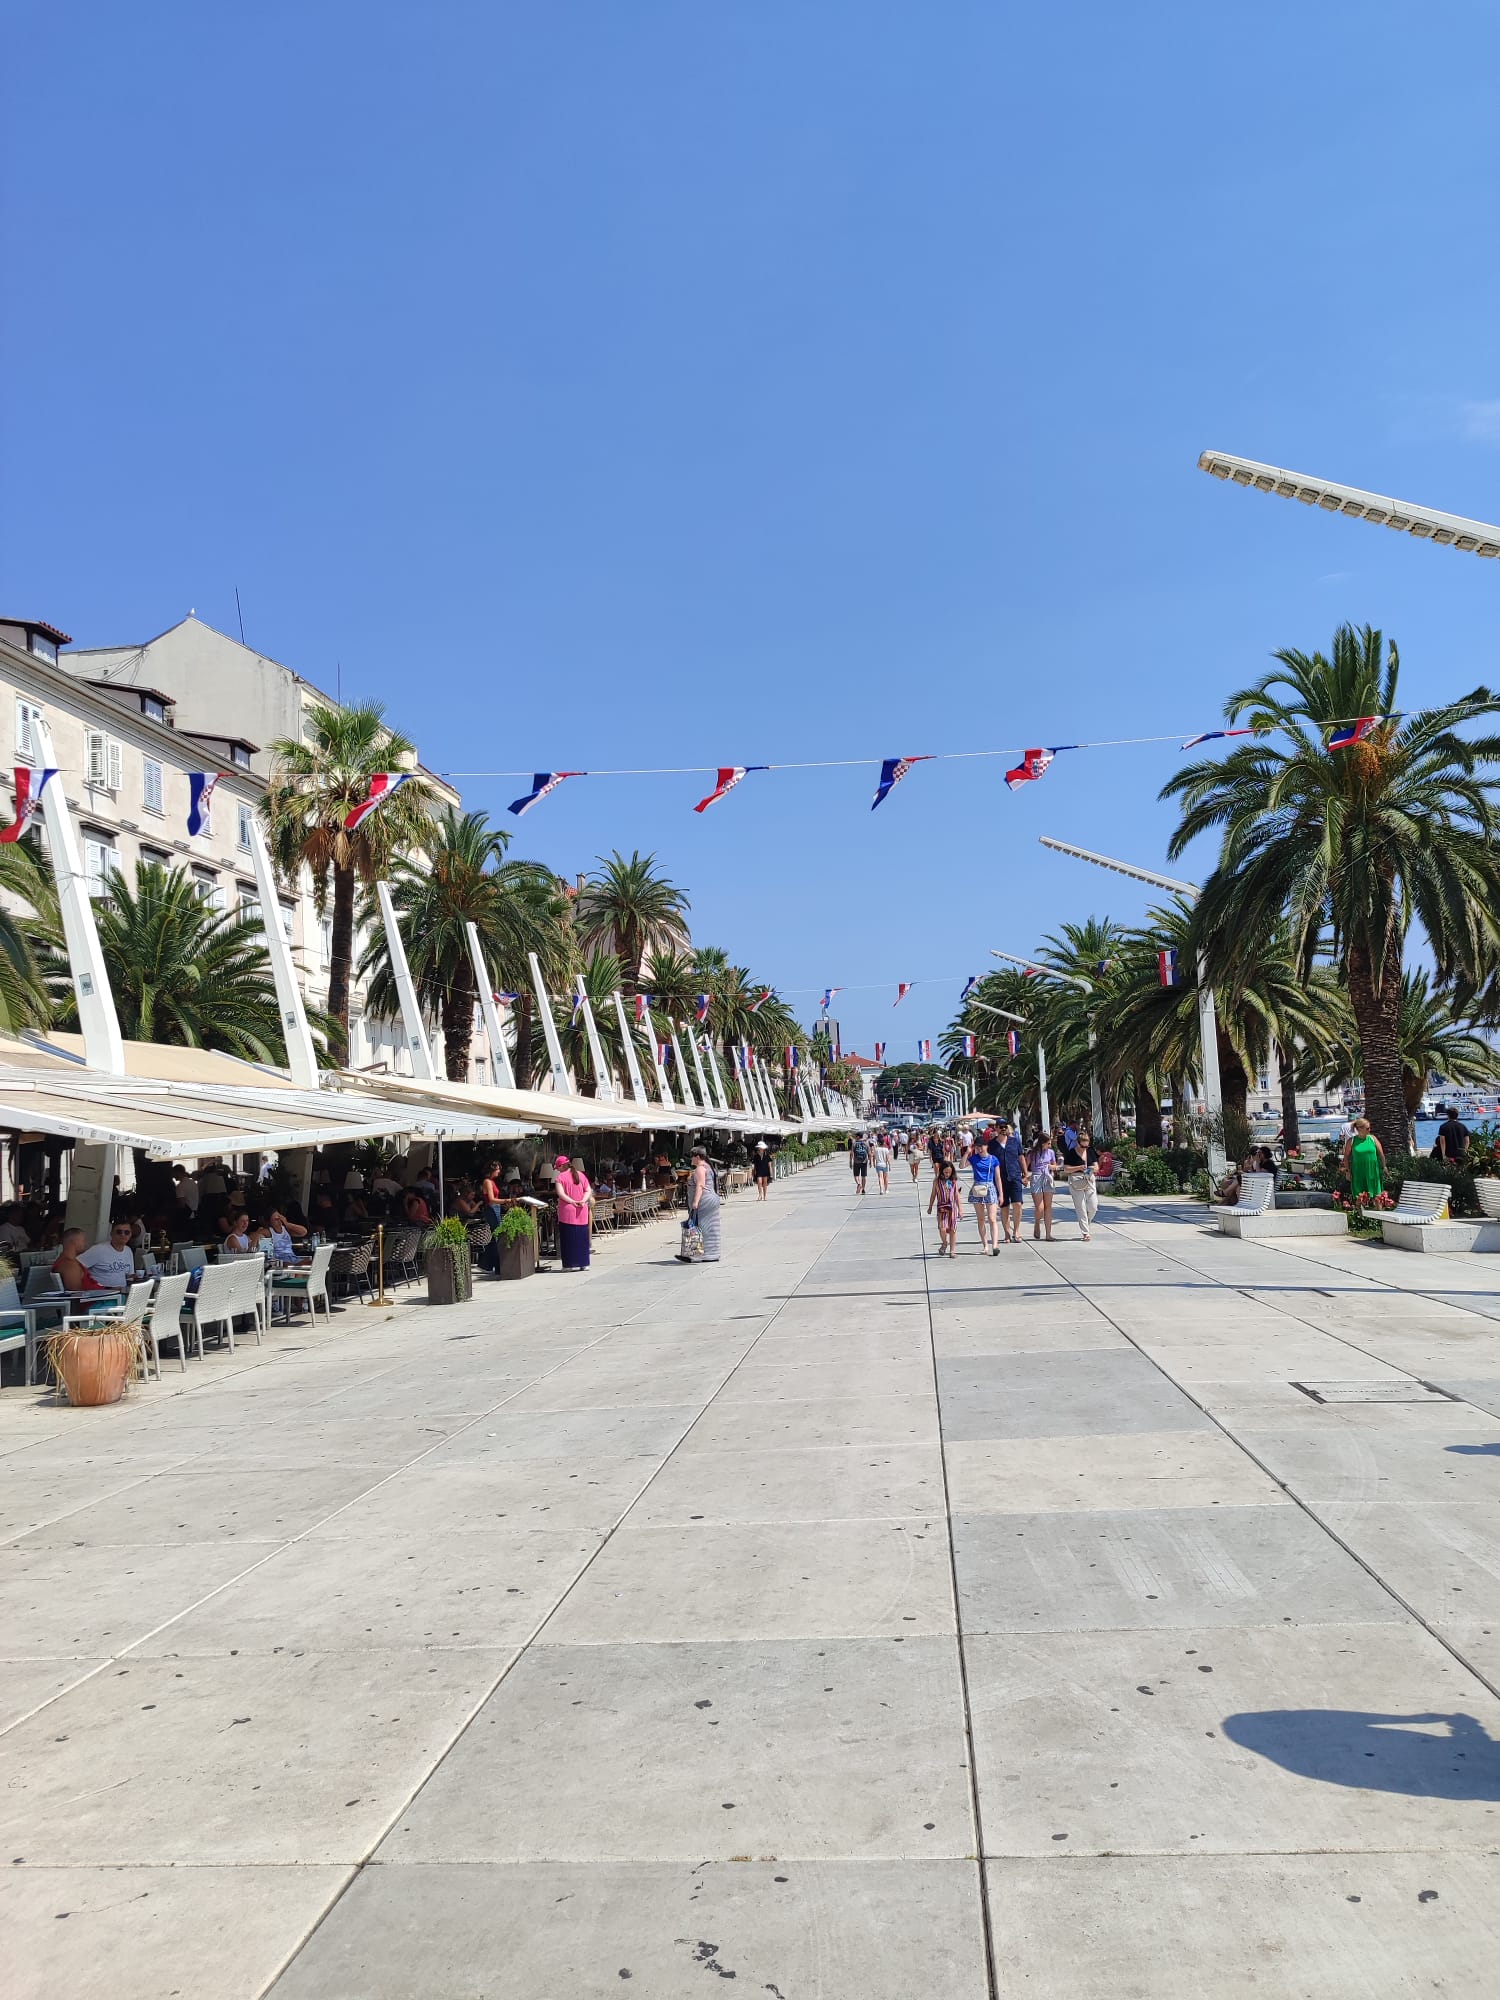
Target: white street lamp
{"type": "Point", "coordinates": [1208, 1017]}
{"type": "Point", "coordinates": [1453, 531]}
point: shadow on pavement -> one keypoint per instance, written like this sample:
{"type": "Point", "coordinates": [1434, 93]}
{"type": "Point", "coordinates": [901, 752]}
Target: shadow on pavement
{"type": "Point", "coordinates": [1376, 1753]}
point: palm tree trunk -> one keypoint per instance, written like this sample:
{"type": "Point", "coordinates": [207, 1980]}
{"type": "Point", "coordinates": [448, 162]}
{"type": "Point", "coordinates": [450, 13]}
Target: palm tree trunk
{"type": "Point", "coordinates": [1234, 1084]}
{"type": "Point", "coordinates": [1147, 1113]}
{"type": "Point", "coordinates": [1377, 1011]}
{"type": "Point", "coordinates": [521, 1055]}
{"type": "Point", "coordinates": [458, 1029]}
{"type": "Point", "coordinates": [1291, 1131]}
{"type": "Point", "coordinates": [340, 950]}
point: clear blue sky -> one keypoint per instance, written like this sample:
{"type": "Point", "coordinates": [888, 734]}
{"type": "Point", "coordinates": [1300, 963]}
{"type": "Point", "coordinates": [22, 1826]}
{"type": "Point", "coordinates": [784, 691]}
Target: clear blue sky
{"type": "Point", "coordinates": [647, 383]}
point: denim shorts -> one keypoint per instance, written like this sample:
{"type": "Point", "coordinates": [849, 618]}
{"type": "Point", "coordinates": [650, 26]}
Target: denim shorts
{"type": "Point", "coordinates": [982, 1192]}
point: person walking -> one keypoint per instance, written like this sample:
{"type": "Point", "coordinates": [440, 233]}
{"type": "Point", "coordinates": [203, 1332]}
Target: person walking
{"type": "Point", "coordinates": [575, 1209]}
{"type": "Point", "coordinates": [1080, 1163]}
{"type": "Point", "coordinates": [859, 1161]}
{"type": "Point", "coordinates": [882, 1163]}
{"type": "Point", "coordinates": [762, 1170]}
{"type": "Point", "coordinates": [703, 1204]}
{"type": "Point", "coordinates": [1012, 1181]}
{"type": "Point", "coordinates": [947, 1197]}
{"type": "Point", "coordinates": [1041, 1167]}
{"type": "Point", "coordinates": [984, 1194]}
{"type": "Point", "coordinates": [1364, 1163]}
{"type": "Point", "coordinates": [914, 1160]}
{"type": "Point", "coordinates": [1452, 1136]}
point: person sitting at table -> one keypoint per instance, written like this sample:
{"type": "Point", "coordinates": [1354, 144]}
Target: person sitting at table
{"type": "Point", "coordinates": [275, 1237]}
{"type": "Point", "coordinates": [68, 1265]}
{"type": "Point", "coordinates": [356, 1208]}
{"type": "Point", "coordinates": [417, 1212]}
{"type": "Point", "coordinates": [237, 1237]}
{"type": "Point", "coordinates": [325, 1215]}
{"type": "Point", "coordinates": [104, 1267]}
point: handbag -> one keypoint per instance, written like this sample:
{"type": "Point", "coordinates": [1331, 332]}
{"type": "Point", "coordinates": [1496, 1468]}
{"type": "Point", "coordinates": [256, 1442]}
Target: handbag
{"type": "Point", "coordinates": [692, 1244]}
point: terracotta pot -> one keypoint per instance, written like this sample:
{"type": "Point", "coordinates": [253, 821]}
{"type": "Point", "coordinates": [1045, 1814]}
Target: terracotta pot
{"type": "Point", "coordinates": [517, 1259]}
{"type": "Point", "coordinates": [94, 1366]}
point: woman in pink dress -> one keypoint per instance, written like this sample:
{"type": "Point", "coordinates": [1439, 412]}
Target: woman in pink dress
{"type": "Point", "coordinates": [575, 1199]}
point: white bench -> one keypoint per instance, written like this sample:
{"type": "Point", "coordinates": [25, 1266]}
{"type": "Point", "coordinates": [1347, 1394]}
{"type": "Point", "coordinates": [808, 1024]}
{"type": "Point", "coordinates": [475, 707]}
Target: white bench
{"type": "Point", "coordinates": [1420, 1223]}
{"type": "Point", "coordinates": [1256, 1215]}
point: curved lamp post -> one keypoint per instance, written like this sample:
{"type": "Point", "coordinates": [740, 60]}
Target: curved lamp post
{"type": "Point", "coordinates": [1451, 531]}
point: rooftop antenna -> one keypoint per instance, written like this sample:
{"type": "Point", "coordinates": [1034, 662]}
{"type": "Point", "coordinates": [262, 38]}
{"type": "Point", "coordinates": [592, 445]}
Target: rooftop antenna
{"type": "Point", "coordinates": [239, 613]}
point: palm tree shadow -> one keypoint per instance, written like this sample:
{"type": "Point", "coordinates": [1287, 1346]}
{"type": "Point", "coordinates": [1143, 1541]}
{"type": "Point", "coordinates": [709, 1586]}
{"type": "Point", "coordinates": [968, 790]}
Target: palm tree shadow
{"type": "Point", "coordinates": [1474, 1450]}
{"type": "Point", "coordinates": [1376, 1753]}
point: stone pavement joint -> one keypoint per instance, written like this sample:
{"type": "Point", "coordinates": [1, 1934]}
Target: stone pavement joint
{"type": "Point", "coordinates": [665, 1625]}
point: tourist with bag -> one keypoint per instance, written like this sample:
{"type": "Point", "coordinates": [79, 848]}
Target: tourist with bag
{"type": "Point", "coordinates": [700, 1233]}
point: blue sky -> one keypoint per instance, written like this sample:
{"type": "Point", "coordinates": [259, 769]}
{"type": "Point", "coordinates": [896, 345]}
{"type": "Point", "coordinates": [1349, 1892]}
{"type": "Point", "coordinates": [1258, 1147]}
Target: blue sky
{"type": "Point", "coordinates": [660, 384]}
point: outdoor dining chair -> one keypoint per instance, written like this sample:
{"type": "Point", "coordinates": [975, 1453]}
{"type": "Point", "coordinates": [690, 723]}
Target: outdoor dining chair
{"type": "Point", "coordinates": [164, 1319]}
{"type": "Point", "coordinates": [311, 1284]}
{"type": "Point", "coordinates": [350, 1270]}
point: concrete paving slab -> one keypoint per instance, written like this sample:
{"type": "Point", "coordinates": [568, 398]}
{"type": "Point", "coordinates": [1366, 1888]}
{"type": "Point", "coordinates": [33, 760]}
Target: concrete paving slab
{"type": "Point", "coordinates": [1151, 1469]}
{"type": "Point", "coordinates": [1442, 1557]}
{"type": "Point", "coordinates": [1170, 1567]}
{"type": "Point", "coordinates": [1244, 1407]}
{"type": "Point", "coordinates": [839, 1748]}
{"type": "Point", "coordinates": [458, 1587]}
{"type": "Point", "coordinates": [1262, 1739]}
{"type": "Point", "coordinates": [421, 1503]}
{"type": "Point", "coordinates": [605, 1380]}
{"type": "Point", "coordinates": [1317, 1926]}
{"type": "Point", "coordinates": [32, 1498]}
{"type": "Point", "coordinates": [853, 1420]}
{"type": "Point", "coordinates": [279, 1758]}
{"type": "Point", "coordinates": [768, 1580]}
{"type": "Point", "coordinates": [204, 1505]}
{"type": "Point", "coordinates": [1073, 1394]}
{"type": "Point", "coordinates": [820, 1483]}
{"type": "Point", "coordinates": [136, 1933]}
{"type": "Point", "coordinates": [826, 1377]}
{"type": "Point", "coordinates": [1351, 1466]}
{"type": "Point", "coordinates": [840, 1930]}
{"type": "Point", "coordinates": [25, 1685]}
{"type": "Point", "coordinates": [90, 1602]}
{"type": "Point", "coordinates": [956, 1335]}
{"type": "Point", "coordinates": [636, 1431]}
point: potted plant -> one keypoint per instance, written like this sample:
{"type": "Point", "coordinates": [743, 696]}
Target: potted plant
{"type": "Point", "coordinates": [93, 1362]}
{"type": "Point", "coordinates": [450, 1275]}
{"type": "Point", "coordinates": [517, 1239]}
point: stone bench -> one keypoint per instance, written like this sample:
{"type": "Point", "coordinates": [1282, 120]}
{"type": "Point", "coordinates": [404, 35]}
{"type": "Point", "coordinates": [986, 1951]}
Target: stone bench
{"type": "Point", "coordinates": [1420, 1223]}
{"type": "Point", "coordinates": [1255, 1216]}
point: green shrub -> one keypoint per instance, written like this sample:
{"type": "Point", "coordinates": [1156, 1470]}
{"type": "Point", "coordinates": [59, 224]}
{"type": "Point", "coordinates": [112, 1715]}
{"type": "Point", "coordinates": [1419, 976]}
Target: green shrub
{"type": "Point", "coordinates": [1123, 1182]}
{"type": "Point", "coordinates": [1203, 1185]}
{"type": "Point", "coordinates": [516, 1223]}
{"type": "Point", "coordinates": [450, 1234]}
{"type": "Point", "coordinates": [1452, 1174]}
{"type": "Point", "coordinates": [1152, 1173]}
{"type": "Point", "coordinates": [1185, 1162]}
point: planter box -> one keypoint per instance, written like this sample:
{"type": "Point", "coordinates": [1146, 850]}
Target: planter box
{"type": "Point", "coordinates": [449, 1275]}
{"type": "Point", "coordinates": [518, 1259]}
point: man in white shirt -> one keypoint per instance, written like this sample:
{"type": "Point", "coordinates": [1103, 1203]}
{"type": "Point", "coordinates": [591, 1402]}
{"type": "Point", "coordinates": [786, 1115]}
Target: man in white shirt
{"type": "Point", "coordinates": [111, 1265]}
{"type": "Point", "coordinates": [187, 1191]}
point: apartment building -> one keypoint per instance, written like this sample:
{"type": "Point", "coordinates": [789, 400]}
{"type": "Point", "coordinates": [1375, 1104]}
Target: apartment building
{"type": "Point", "coordinates": [129, 725]}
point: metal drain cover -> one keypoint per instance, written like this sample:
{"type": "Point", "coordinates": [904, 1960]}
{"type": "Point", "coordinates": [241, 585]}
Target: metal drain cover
{"type": "Point", "coordinates": [1374, 1392]}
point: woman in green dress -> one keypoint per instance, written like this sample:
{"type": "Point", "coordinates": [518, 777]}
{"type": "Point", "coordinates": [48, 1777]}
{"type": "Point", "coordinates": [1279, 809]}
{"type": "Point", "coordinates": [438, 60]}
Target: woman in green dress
{"type": "Point", "coordinates": [1364, 1162]}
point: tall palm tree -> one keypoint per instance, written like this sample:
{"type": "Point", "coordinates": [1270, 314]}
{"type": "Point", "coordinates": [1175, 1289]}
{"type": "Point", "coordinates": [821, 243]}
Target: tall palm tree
{"type": "Point", "coordinates": [315, 785]}
{"type": "Point", "coordinates": [632, 909]}
{"type": "Point", "coordinates": [462, 878]}
{"type": "Point", "coordinates": [33, 985]}
{"type": "Point", "coordinates": [1433, 1040]}
{"type": "Point", "coordinates": [600, 973]}
{"type": "Point", "coordinates": [1360, 841]}
{"type": "Point", "coordinates": [185, 973]}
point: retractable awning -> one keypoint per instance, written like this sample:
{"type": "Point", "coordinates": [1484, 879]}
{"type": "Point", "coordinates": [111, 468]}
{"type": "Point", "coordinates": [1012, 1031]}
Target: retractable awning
{"type": "Point", "coordinates": [553, 1110]}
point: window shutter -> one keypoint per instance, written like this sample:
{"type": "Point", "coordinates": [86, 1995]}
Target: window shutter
{"type": "Point", "coordinates": [96, 757]}
{"type": "Point", "coordinates": [116, 754]}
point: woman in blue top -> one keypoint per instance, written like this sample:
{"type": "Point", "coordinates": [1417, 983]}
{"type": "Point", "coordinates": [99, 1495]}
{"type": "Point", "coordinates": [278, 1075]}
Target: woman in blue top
{"type": "Point", "coordinates": [985, 1197]}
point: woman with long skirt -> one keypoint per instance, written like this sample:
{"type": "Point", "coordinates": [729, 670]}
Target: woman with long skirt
{"type": "Point", "coordinates": [575, 1201]}
{"type": "Point", "coordinates": [703, 1204]}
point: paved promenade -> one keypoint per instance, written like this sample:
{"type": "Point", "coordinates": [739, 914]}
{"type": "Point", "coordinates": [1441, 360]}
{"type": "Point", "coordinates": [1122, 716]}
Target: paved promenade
{"type": "Point", "coordinates": [841, 1622]}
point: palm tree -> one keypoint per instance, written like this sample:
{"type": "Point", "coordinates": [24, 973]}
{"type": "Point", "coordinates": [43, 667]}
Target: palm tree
{"type": "Point", "coordinates": [600, 974]}
{"type": "Point", "coordinates": [463, 878]}
{"type": "Point", "coordinates": [33, 983]}
{"type": "Point", "coordinates": [631, 909]}
{"type": "Point", "coordinates": [1433, 1041]}
{"type": "Point", "coordinates": [1358, 841]}
{"type": "Point", "coordinates": [315, 785]}
{"type": "Point", "coordinates": [185, 973]}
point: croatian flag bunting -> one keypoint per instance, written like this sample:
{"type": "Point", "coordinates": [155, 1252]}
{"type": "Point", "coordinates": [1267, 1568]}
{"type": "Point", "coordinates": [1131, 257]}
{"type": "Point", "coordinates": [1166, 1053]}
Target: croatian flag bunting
{"type": "Point", "coordinates": [578, 1000]}
{"type": "Point", "coordinates": [902, 990]}
{"type": "Point", "coordinates": [880, 1052]}
{"type": "Point", "coordinates": [700, 1007]}
{"type": "Point", "coordinates": [505, 999]}
{"type": "Point", "coordinates": [30, 785]}
{"type": "Point", "coordinates": [1033, 763]}
{"type": "Point", "coordinates": [1012, 1042]}
{"type": "Point", "coordinates": [201, 790]}
{"type": "Point", "coordinates": [642, 1002]}
{"type": "Point", "coordinates": [892, 771]}
{"type": "Point", "coordinates": [969, 1045]}
{"type": "Point", "coordinates": [793, 1058]}
{"type": "Point", "coordinates": [969, 984]}
{"type": "Point", "coordinates": [663, 1052]}
{"type": "Point", "coordinates": [760, 1000]}
{"type": "Point", "coordinates": [1166, 966]}
{"type": "Point", "coordinates": [1217, 736]}
{"type": "Point", "coordinates": [828, 992]}
{"type": "Point", "coordinates": [1353, 732]}
{"type": "Point", "coordinates": [384, 785]}
{"type": "Point", "coordinates": [542, 782]}
{"type": "Point", "coordinates": [729, 777]}
{"type": "Point", "coordinates": [924, 1051]}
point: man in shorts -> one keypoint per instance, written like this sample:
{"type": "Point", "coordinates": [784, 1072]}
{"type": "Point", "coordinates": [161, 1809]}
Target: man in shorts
{"type": "Point", "coordinates": [1012, 1181]}
{"type": "Point", "coordinates": [859, 1160]}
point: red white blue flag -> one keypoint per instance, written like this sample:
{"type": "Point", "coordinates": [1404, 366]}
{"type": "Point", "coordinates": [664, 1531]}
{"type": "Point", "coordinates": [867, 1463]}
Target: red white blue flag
{"type": "Point", "coordinates": [30, 785]}
{"type": "Point", "coordinates": [793, 1058]}
{"type": "Point", "coordinates": [970, 1045]}
{"type": "Point", "coordinates": [760, 1000]}
{"type": "Point", "coordinates": [384, 785]}
{"type": "Point", "coordinates": [1353, 732]}
{"type": "Point", "coordinates": [1166, 967]}
{"type": "Point", "coordinates": [663, 1051]}
{"type": "Point", "coordinates": [1012, 1042]}
{"type": "Point", "coordinates": [902, 990]}
{"type": "Point", "coordinates": [729, 777]}
{"type": "Point", "coordinates": [924, 1051]}
{"type": "Point", "coordinates": [880, 1052]}
{"type": "Point", "coordinates": [700, 1007]}
{"type": "Point", "coordinates": [542, 782]}
{"type": "Point", "coordinates": [892, 771]}
{"type": "Point", "coordinates": [969, 984]}
{"type": "Point", "coordinates": [201, 791]}
{"type": "Point", "coordinates": [1217, 736]}
{"type": "Point", "coordinates": [642, 1002]}
{"type": "Point", "coordinates": [1033, 763]}
{"type": "Point", "coordinates": [828, 993]}
{"type": "Point", "coordinates": [505, 999]}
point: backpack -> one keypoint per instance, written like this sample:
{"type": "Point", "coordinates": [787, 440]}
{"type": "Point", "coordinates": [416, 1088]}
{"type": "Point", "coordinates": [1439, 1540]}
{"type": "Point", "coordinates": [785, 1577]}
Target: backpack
{"type": "Point", "coordinates": [861, 1153]}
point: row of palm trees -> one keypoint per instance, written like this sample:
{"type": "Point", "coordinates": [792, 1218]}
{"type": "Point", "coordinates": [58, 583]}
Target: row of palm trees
{"type": "Point", "coordinates": [1334, 865]}
{"type": "Point", "coordinates": [182, 971]}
